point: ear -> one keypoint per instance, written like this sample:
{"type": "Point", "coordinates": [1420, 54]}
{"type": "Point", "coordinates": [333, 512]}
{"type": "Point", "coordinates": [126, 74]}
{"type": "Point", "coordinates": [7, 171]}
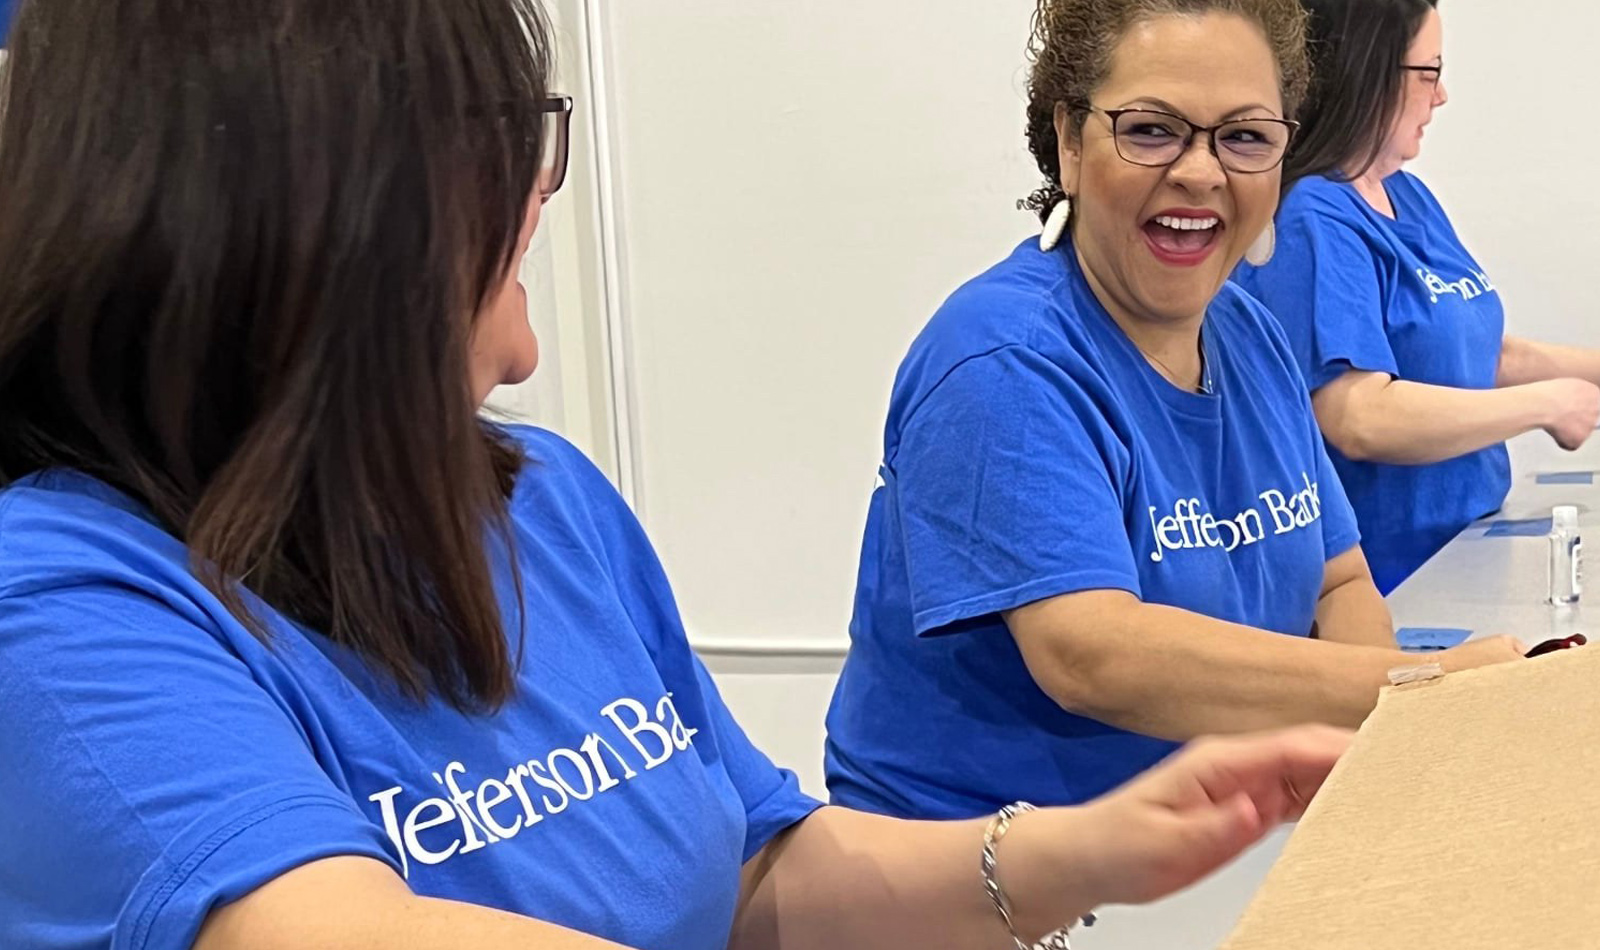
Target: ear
{"type": "Point", "coordinates": [1069, 149]}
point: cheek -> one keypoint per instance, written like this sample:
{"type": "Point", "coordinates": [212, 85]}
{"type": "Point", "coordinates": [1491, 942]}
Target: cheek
{"type": "Point", "coordinates": [1421, 112]}
{"type": "Point", "coordinates": [1256, 201]}
{"type": "Point", "coordinates": [1117, 193]}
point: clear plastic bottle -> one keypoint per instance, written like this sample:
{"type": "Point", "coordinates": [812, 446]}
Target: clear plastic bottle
{"type": "Point", "coordinates": [1566, 556]}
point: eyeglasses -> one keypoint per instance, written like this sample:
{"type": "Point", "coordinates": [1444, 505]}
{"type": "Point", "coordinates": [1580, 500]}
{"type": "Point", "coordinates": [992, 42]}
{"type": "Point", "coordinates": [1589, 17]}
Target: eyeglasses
{"type": "Point", "coordinates": [556, 114]}
{"type": "Point", "coordinates": [1158, 139]}
{"type": "Point", "coordinates": [1437, 70]}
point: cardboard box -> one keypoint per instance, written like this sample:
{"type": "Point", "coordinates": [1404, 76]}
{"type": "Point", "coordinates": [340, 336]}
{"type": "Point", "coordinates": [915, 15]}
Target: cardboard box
{"type": "Point", "coordinates": [1466, 817]}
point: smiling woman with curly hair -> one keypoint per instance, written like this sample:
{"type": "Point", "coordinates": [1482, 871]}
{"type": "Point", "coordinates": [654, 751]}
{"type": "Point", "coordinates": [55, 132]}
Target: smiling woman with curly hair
{"type": "Point", "coordinates": [1106, 523]}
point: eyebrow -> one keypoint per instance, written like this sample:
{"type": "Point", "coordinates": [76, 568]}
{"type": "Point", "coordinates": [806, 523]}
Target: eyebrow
{"type": "Point", "coordinates": [1166, 106]}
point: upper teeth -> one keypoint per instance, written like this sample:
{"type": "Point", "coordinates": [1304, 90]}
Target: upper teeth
{"type": "Point", "coordinates": [1187, 224]}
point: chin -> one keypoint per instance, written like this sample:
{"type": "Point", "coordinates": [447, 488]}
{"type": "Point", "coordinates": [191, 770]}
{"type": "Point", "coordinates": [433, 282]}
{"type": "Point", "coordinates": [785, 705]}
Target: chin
{"type": "Point", "coordinates": [1182, 296]}
{"type": "Point", "coordinates": [523, 367]}
{"type": "Point", "coordinates": [1177, 309]}
{"type": "Point", "coordinates": [1415, 149]}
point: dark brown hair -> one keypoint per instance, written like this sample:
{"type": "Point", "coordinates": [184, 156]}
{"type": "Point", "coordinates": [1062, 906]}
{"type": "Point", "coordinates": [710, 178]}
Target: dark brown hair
{"type": "Point", "coordinates": [1357, 50]}
{"type": "Point", "coordinates": [1073, 42]}
{"type": "Point", "coordinates": [241, 246]}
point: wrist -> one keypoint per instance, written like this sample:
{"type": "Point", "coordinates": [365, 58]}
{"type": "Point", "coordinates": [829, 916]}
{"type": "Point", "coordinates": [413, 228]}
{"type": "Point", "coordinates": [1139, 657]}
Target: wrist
{"type": "Point", "coordinates": [1051, 866]}
{"type": "Point", "coordinates": [1545, 405]}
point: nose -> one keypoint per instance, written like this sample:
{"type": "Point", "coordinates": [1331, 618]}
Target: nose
{"type": "Point", "coordinates": [1440, 95]}
{"type": "Point", "coordinates": [1198, 168]}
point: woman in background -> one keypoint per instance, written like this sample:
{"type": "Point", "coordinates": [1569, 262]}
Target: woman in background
{"type": "Point", "coordinates": [1399, 331]}
{"type": "Point", "coordinates": [1107, 524]}
{"type": "Point", "coordinates": [295, 650]}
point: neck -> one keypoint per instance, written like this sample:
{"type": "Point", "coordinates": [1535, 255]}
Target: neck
{"type": "Point", "coordinates": [1171, 346]}
{"type": "Point", "coordinates": [1369, 185]}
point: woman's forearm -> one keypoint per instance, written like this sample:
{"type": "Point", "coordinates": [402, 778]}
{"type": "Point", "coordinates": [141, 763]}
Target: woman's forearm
{"type": "Point", "coordinates": [1170, 673]}
{"type": "Point", "coordinates": [1530, 361]}
{"type": "Point", "coordinates": [848, 880]}
{"type": "Point", "coordinates": [844, 880]}
{"type": "Point", "coordinates": [1371, 417]}
{"type": "Point", "coordinates": [351, 903]}
{"type": "Point", "coordinates": [1174, 674]}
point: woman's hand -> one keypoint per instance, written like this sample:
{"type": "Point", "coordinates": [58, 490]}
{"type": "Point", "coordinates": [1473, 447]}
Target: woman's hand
{"type": "Point", "coordinates": [1475, 653]}
{"type": "Point", "coordinates": [1186, 818]}
{"type": "Point", "coordinates": [1573, 410]}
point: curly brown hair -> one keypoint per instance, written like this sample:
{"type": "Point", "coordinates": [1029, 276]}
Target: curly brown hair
{"type": "Point", "coordinates": [1070, 52]}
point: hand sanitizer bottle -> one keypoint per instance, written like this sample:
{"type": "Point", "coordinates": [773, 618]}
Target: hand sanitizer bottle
{"type": "Point", "coordinates": [1566, 556]}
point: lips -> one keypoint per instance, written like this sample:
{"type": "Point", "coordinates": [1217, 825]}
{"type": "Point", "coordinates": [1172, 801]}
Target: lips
{"type": "Point", "coordinates": [1183, 238]}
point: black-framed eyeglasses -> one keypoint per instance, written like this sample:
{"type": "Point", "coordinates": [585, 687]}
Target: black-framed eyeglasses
{"type": "Point", "coordinates": [1432, 73]}
{"type": "Point", "coordinates": [556, 114]}
{"type": "Point", "coordinates": [1157, 139]}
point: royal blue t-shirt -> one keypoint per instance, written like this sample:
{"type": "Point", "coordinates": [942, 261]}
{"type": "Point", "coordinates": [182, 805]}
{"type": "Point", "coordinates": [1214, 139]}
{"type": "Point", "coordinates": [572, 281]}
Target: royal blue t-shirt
{"type": "Point", "coordinates": [1031, 451]}
{"type": "Point", "coordinates": [1355, 289]}
{"type": "Point", "coordinates": [157, 760]}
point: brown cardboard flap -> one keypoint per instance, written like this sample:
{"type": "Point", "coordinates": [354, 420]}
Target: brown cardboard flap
{"type": "Point", "coordinates": [1466, 817]}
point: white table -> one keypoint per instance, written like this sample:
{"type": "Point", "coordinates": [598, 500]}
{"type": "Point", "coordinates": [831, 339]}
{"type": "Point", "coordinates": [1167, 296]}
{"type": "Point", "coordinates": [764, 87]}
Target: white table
{"type": "Point", "coordinates": [1478, 583]}
{"type": "Point", "coordinates": [1492, 585]}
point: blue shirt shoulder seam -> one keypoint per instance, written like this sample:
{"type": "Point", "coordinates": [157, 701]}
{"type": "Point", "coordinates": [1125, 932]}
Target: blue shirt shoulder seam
{"type": "Point", "coordinates": [916, 409]}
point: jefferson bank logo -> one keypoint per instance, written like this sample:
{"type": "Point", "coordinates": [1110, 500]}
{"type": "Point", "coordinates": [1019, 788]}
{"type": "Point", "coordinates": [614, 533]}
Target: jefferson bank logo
{"type": "Point", "coordinates": [468, 814]}
{"type": "Point", "coordinates": [1468, 288]}
{"type": "Point", "coordinates": [1188, 527]}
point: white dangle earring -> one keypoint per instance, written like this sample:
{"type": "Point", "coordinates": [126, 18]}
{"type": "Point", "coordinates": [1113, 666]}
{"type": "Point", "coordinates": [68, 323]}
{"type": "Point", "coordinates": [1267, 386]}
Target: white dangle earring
{"type": "Point", "coordinates": [1260, 252]}
{"type": "Point", "coordinates": [1056, 224]}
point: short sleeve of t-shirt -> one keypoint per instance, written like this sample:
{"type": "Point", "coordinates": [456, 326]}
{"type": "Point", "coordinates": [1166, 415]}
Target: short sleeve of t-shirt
{"type": "Point", "coordinates": [773, 801]}
{"type": "Point", "coordinates": [1004, 484]}
{"type": "Point", "coordinates": [771, 796]}
{"type": "Point", "coordinates": [160, 780]}
{"type": "Point", "coordinates": [1323, 286]}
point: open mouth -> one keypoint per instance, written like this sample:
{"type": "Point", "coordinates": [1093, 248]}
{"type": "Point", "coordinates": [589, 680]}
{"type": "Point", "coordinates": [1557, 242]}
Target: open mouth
{"type": "Point", "coordinates": [1183, 240]}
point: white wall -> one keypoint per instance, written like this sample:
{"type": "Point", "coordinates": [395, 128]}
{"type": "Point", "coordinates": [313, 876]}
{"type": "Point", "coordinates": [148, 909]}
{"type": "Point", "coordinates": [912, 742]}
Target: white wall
{"type": "Point", "coordinates": [801, 183]}
{"type": "Point", "coordinates": [1513, 160]}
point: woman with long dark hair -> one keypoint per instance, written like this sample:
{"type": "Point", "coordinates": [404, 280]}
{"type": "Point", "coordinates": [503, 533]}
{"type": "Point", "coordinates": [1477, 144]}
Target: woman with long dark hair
{"type": "Point", "coordinates": [297, 651]}
{"type": "Point", "coordinates": [1398, 329]}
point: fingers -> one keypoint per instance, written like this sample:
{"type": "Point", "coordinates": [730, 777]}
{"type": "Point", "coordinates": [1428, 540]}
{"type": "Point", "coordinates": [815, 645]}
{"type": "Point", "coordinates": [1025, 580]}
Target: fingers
{"type": "Point", "coordinates": [1155, 851]}
{"type": "Point", "coordinates": [1280, 771]}
{"type": "Point", "coordinates": [1206, 805]}
{"type": "Point", "coordinates": [1211, 837]}
{"type": "Point", "coordinates": [1512, 644]}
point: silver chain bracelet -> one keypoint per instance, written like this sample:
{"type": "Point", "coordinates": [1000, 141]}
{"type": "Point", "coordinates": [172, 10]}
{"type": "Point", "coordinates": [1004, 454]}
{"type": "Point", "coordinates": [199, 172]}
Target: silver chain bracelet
{"type": "Point", "coordinates": [996, 830]}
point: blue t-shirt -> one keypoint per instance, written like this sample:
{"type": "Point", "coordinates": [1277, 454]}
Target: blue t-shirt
{"type": "Point", "coordinates": [158, 760]}
{"type": "Point", "coordinates": [1354, 289]}
{"type": "Point", "coordinates": [1031, 451]}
